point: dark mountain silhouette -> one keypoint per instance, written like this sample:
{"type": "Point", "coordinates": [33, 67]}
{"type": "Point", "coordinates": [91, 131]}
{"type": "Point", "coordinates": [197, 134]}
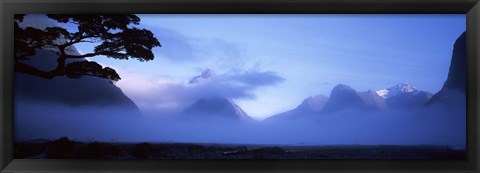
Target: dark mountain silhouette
{"type": "Point", "coordinates": [457, 75]}
{"type": "Point", "coordinates": [85, 91]}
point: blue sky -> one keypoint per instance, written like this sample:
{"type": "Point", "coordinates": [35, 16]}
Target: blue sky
{"type": "Point", "coordinates": [276, 61]}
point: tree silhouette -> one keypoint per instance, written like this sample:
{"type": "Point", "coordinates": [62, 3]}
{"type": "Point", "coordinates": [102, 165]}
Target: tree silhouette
{"type": "Point", "coordinates": [115, 36]}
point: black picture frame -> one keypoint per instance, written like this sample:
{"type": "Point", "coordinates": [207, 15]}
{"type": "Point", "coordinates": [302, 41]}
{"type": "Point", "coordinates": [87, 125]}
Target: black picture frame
{"type": "Point", "coordinates": [10, 7]}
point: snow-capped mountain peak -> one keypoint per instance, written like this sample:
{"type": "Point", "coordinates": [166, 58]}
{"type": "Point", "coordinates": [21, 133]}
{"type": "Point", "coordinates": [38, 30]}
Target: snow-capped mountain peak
{"type": "Point", "coordinates": [202, 78]}
{"type": "Point", "coordinates": [397, 89]}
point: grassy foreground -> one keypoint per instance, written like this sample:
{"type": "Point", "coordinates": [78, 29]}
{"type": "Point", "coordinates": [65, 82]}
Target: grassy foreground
{"type": "Point", "coordinates": [65, 148]}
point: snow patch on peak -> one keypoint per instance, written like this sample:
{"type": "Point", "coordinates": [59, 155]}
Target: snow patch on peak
{"type": "Point", "coordinates": [397, 89]}
{"type": "Point", "coordinates": [406, 87]}
{"type": "Point", "coordinates": [383, 93]}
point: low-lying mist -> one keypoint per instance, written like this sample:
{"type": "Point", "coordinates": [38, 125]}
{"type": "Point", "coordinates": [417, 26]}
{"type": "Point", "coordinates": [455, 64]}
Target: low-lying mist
{"type": "Point", "coordinates": [436, 124]}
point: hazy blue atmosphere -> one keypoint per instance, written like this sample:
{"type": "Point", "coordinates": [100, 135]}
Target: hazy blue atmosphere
{"type": "Point", "coordinates": [299, 55]}
{"type": "Point", "coordinates": [263, 79]}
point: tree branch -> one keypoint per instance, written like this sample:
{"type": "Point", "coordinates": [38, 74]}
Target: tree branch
{"type": "Point", "coordinates": [118, 40]}
{"type": "Point", "coordinates": [81, 56]}
{"type": "Point", "coordinates": [23, 68]}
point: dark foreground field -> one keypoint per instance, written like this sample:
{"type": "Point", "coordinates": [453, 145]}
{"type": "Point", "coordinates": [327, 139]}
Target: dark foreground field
{"type": "Point", "coordinates": [67, 149]}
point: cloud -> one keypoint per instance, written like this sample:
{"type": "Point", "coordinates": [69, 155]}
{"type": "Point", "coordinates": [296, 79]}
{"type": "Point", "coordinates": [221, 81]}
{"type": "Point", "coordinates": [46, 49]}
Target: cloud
{"type": "Point", "coordinates": [175, 46]}
{"type": "Point", "coordinates": [437, 124]}
{"type": "Point", "coordinates": [159, 94]}
{"type": "Point", "coordinates": [234, 85]}
{"type": "Point", "coordinates": [178, 47]}
{"type": "Point", "coordinates": [256, 79]}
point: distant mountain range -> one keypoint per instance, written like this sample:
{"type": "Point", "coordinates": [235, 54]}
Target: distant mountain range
{"type": "Point", "coordinates": [402, 96]}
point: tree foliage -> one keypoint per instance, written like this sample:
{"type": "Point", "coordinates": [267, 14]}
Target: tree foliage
{"type": "Point", "coordinates": [114, 36]}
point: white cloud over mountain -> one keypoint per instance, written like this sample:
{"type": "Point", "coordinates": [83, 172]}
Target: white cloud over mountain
{"type": "Point", "coordinates": [161, 94]}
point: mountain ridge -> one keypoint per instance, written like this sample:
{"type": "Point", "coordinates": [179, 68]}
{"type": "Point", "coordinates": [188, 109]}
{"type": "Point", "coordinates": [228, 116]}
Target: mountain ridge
{"type": "Point", "coordinates": [400, 96]}
{"type": "Point", "coordinates": [457, 74]}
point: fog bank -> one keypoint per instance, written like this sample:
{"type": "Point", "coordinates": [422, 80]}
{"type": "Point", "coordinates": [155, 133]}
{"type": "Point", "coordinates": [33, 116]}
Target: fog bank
{"type": "Point", "coordinates": [437, 124]}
